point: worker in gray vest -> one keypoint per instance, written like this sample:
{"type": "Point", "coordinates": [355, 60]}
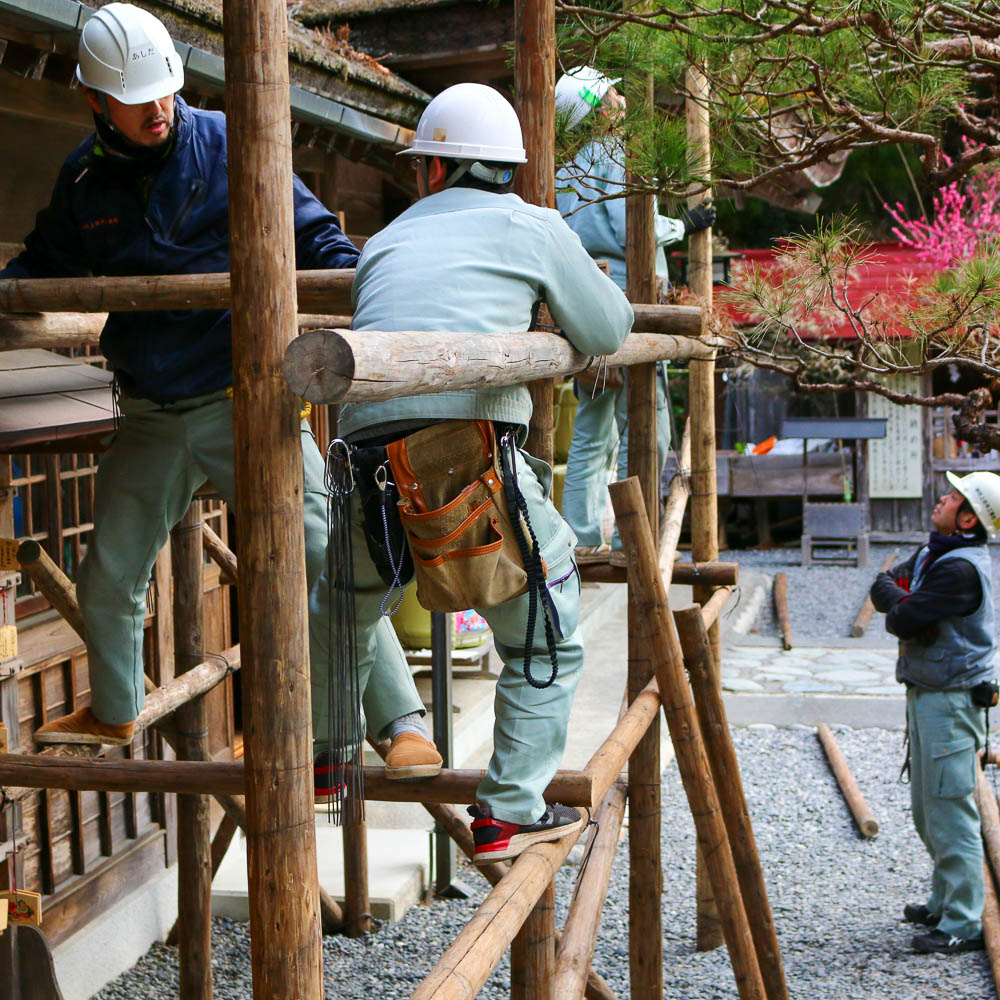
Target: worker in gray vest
{"type": "Point", "coordinates": [939, 602]}
{"type": "Point", "coordinates": [590, 196]}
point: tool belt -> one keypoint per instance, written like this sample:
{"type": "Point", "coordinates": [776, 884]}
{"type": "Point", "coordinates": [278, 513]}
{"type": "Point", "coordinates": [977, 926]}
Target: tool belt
{"type": "Point", "coordinates": [455, 514]}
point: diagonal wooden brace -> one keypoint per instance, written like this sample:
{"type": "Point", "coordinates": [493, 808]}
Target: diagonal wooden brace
{"type": "Point", "coordinates": [648, 592]}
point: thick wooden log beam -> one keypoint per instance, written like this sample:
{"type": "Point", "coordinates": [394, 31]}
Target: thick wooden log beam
{"type": "Point", "coordinates": [333, 366]}
{"type": "Point", "coordinates": [726, 772]}
{"type": "Point", "coordinates": [318, 292]}
{"type": "Point", "coordinates": [860, 810]}
{"type": "Point", "coordinates": [991, 924]}
{"type": "Point", "coordinates": [576, 948]}
{"type": "Point", "coordinates": [685, 732]}
{"type": "Point", "coordinates": [357, 906]}
{"type": "Point", "coordinates": [285, 933]}
{"type": "Point", "coordinates": [864, 615]}
{"type": "Point", "coordinates": [220, 554]}
{"type": "Point", "coordinates": [713, 574]}
{"type": "Point", "coordinates": [21, 773]}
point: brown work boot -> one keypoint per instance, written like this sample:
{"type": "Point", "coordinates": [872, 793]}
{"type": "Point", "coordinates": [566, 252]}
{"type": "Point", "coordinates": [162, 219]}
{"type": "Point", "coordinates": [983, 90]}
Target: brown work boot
{"type": "Point", "coordinates": [84, 727]}
{"type": "Point", "coordinates": [412, 756]}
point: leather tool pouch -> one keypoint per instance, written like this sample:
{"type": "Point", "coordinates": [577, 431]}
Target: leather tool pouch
{"type": "Point", "coordinates": [384, 533]}
{"type": "Point", "coordinates": [455, 515]}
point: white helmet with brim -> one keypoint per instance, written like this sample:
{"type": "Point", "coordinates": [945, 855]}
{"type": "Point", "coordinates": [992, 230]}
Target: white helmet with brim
{"type": "Point", "coordinates": [982, 490]}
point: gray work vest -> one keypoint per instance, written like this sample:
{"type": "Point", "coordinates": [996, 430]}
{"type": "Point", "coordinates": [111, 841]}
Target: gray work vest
{"type": "Point", "coordinates": [962, 652]}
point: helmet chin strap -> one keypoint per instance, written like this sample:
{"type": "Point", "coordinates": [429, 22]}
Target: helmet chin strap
{"type": "Point", "coordinates": [120, 143]}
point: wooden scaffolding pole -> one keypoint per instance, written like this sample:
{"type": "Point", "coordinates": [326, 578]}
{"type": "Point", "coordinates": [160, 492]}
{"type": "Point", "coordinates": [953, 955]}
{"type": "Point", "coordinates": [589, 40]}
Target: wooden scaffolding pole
{"type": "Point", "coordinates": [704, 501]}
{"type": "Point", "coordinates": [194, 828]}
{"type": "Point", "coordinates": [534, 94]}
{"type": "Point", "coordinates": [533, 954]}
{"type": "Point", "coordinates": [286, 951]}
{"type": "Point", "coordinates": [692, 761]}
{"type": "Point", "coordinates": [645, 870]}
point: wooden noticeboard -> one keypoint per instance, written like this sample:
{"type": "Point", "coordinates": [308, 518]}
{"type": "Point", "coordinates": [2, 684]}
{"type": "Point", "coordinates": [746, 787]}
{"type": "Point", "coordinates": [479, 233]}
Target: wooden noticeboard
{"type": "Point", "coordinates": [896, 463]}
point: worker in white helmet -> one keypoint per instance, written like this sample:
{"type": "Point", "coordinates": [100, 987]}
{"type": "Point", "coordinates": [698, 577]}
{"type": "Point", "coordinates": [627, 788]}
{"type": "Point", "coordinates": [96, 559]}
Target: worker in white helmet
{"type": "Point", "coordinates": [471, 257]}
{"type": "Point", "coordinates": [589, 196]}
{"type": "Point", "coordinates": [939, 602]}
{"type": "Point", "coordinates": [148, 194]}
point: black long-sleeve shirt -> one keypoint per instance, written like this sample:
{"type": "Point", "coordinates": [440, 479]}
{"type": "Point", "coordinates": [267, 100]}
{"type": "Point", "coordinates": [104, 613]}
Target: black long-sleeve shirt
{"type": "Point", "coordinates": [950, 588]}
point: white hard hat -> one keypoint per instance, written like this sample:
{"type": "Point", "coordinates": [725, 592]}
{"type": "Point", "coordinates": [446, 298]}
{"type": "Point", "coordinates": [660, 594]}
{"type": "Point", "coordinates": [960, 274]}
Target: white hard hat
{"type": "Point", "coordinates": [982, 490]}
{"type": "Point", "coordinates": [580, 90]}
{"type": "Point", "coordinates": [469, 121]}
{"type": "Point", "coordinates": [127, 53]}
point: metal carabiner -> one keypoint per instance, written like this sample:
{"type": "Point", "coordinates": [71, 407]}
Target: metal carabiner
{"type": "Point", "coordinates": [382, 476]}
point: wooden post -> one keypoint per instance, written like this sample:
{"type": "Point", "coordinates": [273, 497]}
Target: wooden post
{"type": "Point", "coordinates": [726, 771]}
{"type": "Point", "coordinates": [357, 907]}
{"type": "Point", "coordinates": [286, 944]}
{"type": "Point", "coordinates": [701, 381]}
{"type": "Point", "coordinates": [194, 831]}
{"type": "Point", "coordinates": [534, 94]}
{"type": "Point", "coordinates": [645, 870]}
{"type": "Point", "coordinates": [650, 597]}
{"type": "Point", "coordinates": [863, 816]}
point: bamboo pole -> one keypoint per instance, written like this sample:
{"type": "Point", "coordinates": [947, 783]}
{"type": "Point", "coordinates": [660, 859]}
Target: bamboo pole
{"type": "Point", "coordinates": [220, 554]}
{"type": "Point", "coordinates": [331, 366]}
{"type": "Point", "coordinates": [194, 827]}
{"type": "Point", "coordinates": [863, 816]}
{"type": "Point", "coordinates": [864, 615]}
{"type": "Point", "coordinates": [645, 869]}
{"type": "Point", "coordinates": [704, 506]}
{"type": "Point", "coordinates": [781, 608]}
{"type": "Point", "coordinates": [576, 949]}
{"type": "Point", "coordinates": [692, 762]}
{"type": "Point", "coordinates": [677, 498]}
{"type": "Point", "coordinates": [286, 947]}
{"type": "Point", "coordinates": [726, 772]}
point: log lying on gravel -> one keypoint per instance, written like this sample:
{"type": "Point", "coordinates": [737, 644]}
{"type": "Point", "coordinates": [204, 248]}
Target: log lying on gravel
{"type": "Point", "coordinates": [781, 608]}
{"type": "Point", "coordinates": [863, 816]}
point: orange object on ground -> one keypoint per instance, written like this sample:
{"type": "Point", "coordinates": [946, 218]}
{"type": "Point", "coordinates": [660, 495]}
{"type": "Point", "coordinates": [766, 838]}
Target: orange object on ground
{"type": "Point", "coordinates": [765, 446]}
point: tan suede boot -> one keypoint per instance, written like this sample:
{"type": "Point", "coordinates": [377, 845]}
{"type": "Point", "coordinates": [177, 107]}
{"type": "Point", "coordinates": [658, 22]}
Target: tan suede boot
{"type": "Point", "coordinates": [84, 727]}
{"type": "Point", "coordinates": [412, 756]}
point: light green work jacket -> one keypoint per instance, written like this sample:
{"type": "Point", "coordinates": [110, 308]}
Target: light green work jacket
{"type": "Point", "coordinates": [471, 261]}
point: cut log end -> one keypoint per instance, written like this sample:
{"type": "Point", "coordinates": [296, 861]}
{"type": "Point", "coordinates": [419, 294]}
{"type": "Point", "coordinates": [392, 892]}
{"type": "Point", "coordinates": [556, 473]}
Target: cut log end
{"type": "Point", "coordinates": [319, 366]}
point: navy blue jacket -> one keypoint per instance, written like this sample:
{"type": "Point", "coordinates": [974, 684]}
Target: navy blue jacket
{"type": "Point", "coordinates": [99, 222]}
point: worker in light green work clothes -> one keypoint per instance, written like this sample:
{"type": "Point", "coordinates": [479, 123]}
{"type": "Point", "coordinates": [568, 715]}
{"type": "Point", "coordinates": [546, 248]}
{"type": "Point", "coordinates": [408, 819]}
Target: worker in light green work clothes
{"type": "Point", "coordinates": [471, 257]}
{"type": "Point", "coordinates": [590, 196]}
{"type": "Point", "coordinates": [147, 193]}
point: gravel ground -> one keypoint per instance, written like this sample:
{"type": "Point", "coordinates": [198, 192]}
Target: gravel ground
{"type": "Point", "coordinates": [837, 899]}
{"type": "Point", "coordinates": [823, 600]}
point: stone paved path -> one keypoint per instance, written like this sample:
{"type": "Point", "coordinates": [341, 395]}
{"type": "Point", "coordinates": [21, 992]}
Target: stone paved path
{"type": "Point", "coordinates": [809, 670]}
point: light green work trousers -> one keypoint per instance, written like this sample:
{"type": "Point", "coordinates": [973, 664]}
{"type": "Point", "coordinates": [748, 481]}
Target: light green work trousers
{"type": "Point", "coordinates": [946, 730]}
{"type": "Point", "coordinates": [601, 425]}
{"type": "Point", "coordinates": [158, 458]}
{"type": "Point", "coordinates": [529, 733]}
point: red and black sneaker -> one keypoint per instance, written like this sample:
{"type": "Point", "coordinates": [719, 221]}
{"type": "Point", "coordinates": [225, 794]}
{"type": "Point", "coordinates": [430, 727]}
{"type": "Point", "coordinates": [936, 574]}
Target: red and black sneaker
{"type": "Point", "coordinates": [499, 841]}
{"type": "Point", "coordinates": [328, 777]}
